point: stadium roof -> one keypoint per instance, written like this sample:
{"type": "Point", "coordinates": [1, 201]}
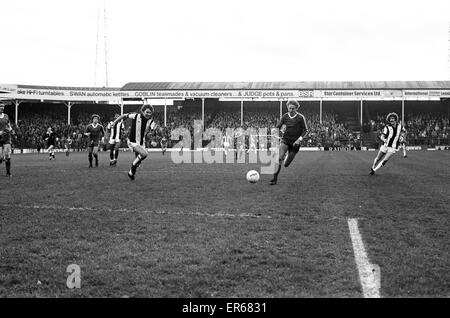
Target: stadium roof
{"type": "Point", "coordinates": [137, 86]}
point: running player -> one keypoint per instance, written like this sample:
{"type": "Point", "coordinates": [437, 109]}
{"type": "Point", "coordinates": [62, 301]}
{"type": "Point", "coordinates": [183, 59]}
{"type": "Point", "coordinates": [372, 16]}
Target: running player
{"type": "Point", "coordinates": [141, 123]}
{"type": "Point", "coordinates": [252, 143]}
{"type": "Point", "coordinates": [67, 144]}
{"type": "Point", "coordinates": [95, 132]}
{"type": "Point", "coordinates": [5, 139]}
{"type": "Point", "coordinates": [164, 142]}
{"type": "Point", "coordinates": [226, 142]}
{"type": "Point", "coordinates": [390, 136]}
{"type": "Point", "coordinates": [50, 142]}
{"type": "Point", "coordinates": [295, 130]}
{"type": "Point", "coordinates": [115, 136]}
{"type": "Point", "coordinates": [403, 142]}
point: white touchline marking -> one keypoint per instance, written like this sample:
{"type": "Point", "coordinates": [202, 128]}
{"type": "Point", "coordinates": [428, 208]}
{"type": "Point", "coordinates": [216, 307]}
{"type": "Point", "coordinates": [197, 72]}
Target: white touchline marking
{"type": "Point", "coordinates": [369, 274]}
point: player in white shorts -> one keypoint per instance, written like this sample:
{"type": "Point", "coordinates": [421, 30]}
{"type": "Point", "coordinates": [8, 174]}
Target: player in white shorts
{"type": "Point", "coordinates": [226, 143]}
{"type": "Point", "coordinates": [403, 143]}
{"type": "Point", "coordinates": [141, 123]}
{"type": "Point", "coordinates": [391, 138]}
{"type": "Point", "coordinates": [115, 136]}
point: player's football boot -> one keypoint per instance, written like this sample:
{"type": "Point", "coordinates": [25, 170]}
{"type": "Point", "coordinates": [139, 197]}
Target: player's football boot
{"type": "Point", "coordinates": [372, 172]}
{"type": "Point", "coordinates": [273, 181]}
{"type": "Point", "coordinates": [405, 156]}
{"type": "Point", "coordinates": [130, 175]}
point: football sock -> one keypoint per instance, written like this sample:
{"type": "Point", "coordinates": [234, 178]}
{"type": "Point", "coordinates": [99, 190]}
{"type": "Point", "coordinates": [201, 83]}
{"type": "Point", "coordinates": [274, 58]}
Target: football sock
{"type": "Point", "coordinates": [374, 163]}
{"type": "Point", "coordinates": [138, 161]}
{"type": "Point", "coordinates": [111, 153]}
{"type": "Point", "coordinates": [90, 159]}
{"type": "Point", "coordinates": [96, 159]}
{"type": "Point", "coordinates": [382, 163]}
{"type": "Point", "coordinates": [8, 166]}
{"type": "Point", "coordinates": [116, 154]}
{"type": "Point", "coordinates": [275, 176]}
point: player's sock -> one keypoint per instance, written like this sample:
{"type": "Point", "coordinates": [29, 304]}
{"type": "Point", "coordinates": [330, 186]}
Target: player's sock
{"type": "Point", "coordinates": [275, 175]}
{"type": "Point", "coordinates": [90, 159]}
{"type": "Point", "coordinates": [138, 160]}
{"type": "Point", "coordinates": [8, 166]}
{"type": "Point", "coordinates": [111, 154]}
{"type": "Point", "coordinates": [382, 163]}
{"type": "Point", "coordinates": [116, 154]}
{"type": "Point", "coordinates": [96, 160]}
{"type": "Point", "coordinates": [374, 163]}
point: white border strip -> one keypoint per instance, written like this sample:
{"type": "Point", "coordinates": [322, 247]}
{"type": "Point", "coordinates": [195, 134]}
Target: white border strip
{"type": "Point", "coordinates": [369, 274]}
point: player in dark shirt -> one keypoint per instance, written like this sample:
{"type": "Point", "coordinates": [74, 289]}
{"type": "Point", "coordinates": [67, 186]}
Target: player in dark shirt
{"type": "Point", "coordinates": [5, 139]}
{"type": "Point", "coordinates": [95, 132]}
{"type": "Point", "coordinates": [50, 142]}
{"type": "Point", "coordinates": [295, 130]}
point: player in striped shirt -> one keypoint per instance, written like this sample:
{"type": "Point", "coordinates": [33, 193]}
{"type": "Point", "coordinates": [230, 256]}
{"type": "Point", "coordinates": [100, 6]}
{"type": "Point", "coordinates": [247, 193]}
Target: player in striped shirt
{"type": "Point", "coordinates": [5, 139]}
{"type": "Point", "coordinates": [391, 138]}
{"type": "Point", "coordinates": [295, 130]}
{"type": "Point", "coordinates": [141, 123]}
{"type": "Point", "coordinates": [115, 135]}
{"type": "Point", "coordinates": [403, 142]}
{"type": "Point", "coordinates": [95, 132]}
{"type": "Point", "coordinates": [164, 141]}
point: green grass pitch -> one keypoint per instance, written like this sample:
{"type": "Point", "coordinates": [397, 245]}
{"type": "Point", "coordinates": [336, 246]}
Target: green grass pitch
{"type": "Point", "coordinates": [201, 230]}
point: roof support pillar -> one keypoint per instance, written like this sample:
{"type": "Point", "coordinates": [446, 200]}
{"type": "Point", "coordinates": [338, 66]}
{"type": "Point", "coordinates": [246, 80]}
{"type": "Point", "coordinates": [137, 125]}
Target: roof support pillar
{"type": "Point", "coordinates": [242, 112]}
{"type": "Point", "coordinates": [16, 111]}
{"type": "Point", "coordinates": [203, 113]}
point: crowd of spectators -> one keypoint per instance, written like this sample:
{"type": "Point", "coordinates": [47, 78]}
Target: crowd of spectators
{"type": "Point", "coordinates": [333, 132]}
{"type": "Point", "coordinates": [422, 128]}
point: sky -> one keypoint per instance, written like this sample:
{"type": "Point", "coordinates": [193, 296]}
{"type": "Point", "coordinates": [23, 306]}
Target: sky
{"type": "Point", "coordinates": [54, 42]}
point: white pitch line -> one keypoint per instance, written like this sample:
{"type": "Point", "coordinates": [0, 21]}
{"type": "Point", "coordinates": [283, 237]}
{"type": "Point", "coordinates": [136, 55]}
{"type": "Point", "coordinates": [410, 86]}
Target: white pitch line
{"type": "Point", "coordinates": [158, 211]}
{"type": "Point", "coordinates": [369, 274]}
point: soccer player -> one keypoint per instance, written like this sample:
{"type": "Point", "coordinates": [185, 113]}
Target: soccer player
{"type": "Point", "coordinates": [403, 142]}
{"type": "Point", "coordinates": [67, 144]}
{"type": "Point", "coordinates": [295, 130]}
{"type": "Point", "coordinates": [226, 143]}
{"type": "Point", "coordinates": [95, 132]}
{"type": "Point", "coordinates": [164, 142]}
{"type": "Point", "coordinates": [141, 123]}
{"type": "Point", "coordinates": [50, 140]}
{"type": "Point", "coordinates": [115, 136]}
{"type": "Point", "coordinates": [5, 139]}
{"type": "Point", "coordinates": [390, 136]}
{"type": "Point", "coordinates": [252, 143]}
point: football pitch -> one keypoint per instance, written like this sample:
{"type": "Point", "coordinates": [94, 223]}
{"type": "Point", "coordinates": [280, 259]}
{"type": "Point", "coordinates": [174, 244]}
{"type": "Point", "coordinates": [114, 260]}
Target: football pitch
{"type": "Point", "coordinates": [201, 230]}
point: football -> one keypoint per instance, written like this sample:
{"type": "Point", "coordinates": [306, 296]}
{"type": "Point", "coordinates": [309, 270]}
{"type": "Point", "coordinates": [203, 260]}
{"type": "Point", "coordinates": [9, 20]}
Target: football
{"type": "Point", "coordinates": [252, 176]}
